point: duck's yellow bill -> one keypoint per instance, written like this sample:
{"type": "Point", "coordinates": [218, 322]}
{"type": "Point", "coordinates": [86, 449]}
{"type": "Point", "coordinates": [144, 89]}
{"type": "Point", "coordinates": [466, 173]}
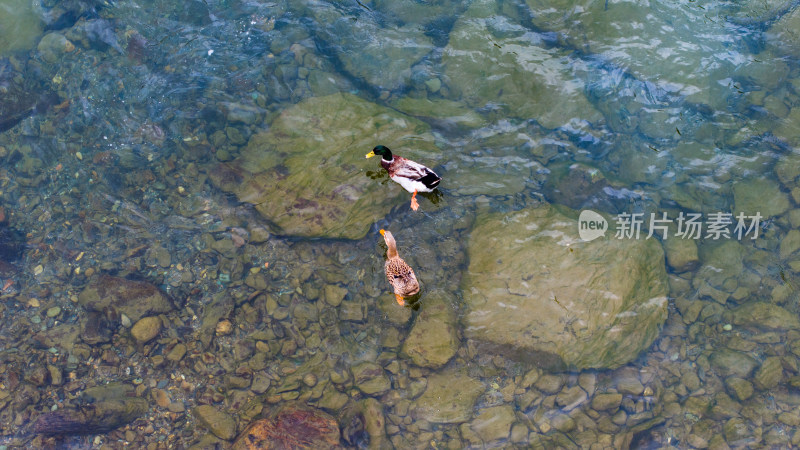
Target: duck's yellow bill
{"type": "Point", "coordinates": [382, 232]}
{"type": "Point", "coordinates": [370, 154]}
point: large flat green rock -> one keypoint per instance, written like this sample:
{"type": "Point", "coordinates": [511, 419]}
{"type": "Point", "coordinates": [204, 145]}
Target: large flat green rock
{"type": "Point", "coordinates": [535, 292]}
{"type": "Point", "coordinates": [307, 173]}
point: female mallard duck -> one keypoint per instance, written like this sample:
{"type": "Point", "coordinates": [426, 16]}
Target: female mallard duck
{"type": "Point", "coordinates": [413, 176]}
{"type": "Point", "coordinates": [398, 272]}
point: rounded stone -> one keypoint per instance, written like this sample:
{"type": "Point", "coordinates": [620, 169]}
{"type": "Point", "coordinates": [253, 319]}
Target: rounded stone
{"type": "Point", "coordinates": [494, 423]}
{"type": "Point", "coordinates": [53, 46]}
{"type": "Point", "coordinates": [224, 327]}
{"type": "Point", "coordinates": [739, 388]}
{"type": "Point", "coordinates": [220, 423]}
{"type": "Point", "coordinates": [146, 329]}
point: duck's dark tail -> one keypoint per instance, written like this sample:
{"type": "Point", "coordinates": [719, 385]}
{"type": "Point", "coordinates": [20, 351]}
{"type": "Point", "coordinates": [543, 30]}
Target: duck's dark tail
{"type": "Point", "coordinates": [430, 180]}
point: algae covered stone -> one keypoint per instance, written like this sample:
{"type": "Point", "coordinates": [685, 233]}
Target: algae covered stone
{"type": "Point", "coordinates": [20, 25]}
{"type": "Point", "coordinates": [760, 196]}
{"type": "Point", "coordinates": [135, 299]}
{"type": "Point", "coordinates": [433, 339]}
{"type": "Point", "coordinates": [370, 378]}
{"type": "Point", "coordinates": [765, 316]}
{"type": "Point", "coordinates": [222, 424]}
{"type": "Point", "coordinates": [657, 42]}
{"type": "Point", "coordinates": [537, 293]}
{"type": "Point", "coordinates": [442, 111]}
{"type": "Point", "coordinates": [494, 423]}
{"type": "Point", "coordinates": [448, 398]}
{"type": "Point", "coordinates": [307, 174]}
{"type": "Point", "coordinates": [379, 52]}
{"type": "Point", "coordinates": [492, 61]}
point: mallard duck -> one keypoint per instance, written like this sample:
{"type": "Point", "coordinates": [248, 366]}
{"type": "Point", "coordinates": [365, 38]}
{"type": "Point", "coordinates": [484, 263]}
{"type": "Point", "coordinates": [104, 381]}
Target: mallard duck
{"type": "Point", "coordinates": [413, 176]}
{"type": "Point", "coordinates": [398, 272]}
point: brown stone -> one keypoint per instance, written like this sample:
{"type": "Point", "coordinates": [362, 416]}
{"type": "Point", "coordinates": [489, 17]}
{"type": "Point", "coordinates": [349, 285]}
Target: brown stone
{"type": "Point", "coordinates": [135, 299]}
{"type": "Point", "coordinates": [294, 426]}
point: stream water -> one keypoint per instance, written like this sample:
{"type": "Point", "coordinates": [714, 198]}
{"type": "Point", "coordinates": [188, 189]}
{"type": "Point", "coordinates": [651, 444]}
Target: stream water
{"type": "Point", "coordinates": [205, 150]}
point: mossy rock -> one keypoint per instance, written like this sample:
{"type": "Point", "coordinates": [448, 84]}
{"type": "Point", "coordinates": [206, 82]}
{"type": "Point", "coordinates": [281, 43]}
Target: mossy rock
{"type": "Point", "coordinates": [536, 293]}
{"type": "Point", "coordinates": [21, 26]}
{"type": "Point", "coordinates": [307, 174]}
{"type": "Point", "coordinates": [440, 110]}
{"type": "Point", "coordinates": [381, 53]}
{"type": "Point", "coordinates": [490, 61]}
{"type": "Point", "coordinates": [433, 340]}
{"type": "Point", "coordinates": [656, 42]}
{"type": "Point", "coordinates": [449, 397]}
{"type": "Point", "coordinates": [763, 196]}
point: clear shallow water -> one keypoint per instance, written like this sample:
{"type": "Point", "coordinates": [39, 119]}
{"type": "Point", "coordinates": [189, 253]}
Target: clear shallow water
{"type": "Point", "coordinates": [619, 107]}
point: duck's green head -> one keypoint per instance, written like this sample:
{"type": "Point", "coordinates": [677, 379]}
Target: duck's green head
{"type": "Point", "coordinates": [381, 150]}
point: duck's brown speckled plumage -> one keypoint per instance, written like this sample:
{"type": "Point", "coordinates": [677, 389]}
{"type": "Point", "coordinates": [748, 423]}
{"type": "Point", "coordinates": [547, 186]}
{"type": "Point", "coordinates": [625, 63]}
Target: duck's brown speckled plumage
{"type": "Point", "coordinates": [398, 272]}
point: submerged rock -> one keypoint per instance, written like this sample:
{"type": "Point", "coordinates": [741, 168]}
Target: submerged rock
{"type": "Point", "coordinates": [12, 246]}
{"type": "Point", "coordinates": [95, 418]}
{"type": "Point", "coordinates": [101, 409]}
{"type": "Point", "coordinates": [381, 53]}
{"type": "Point", "coordinates": [657, 43]}
{"type": "Point", "coordinates": [292, 426]}
{"type": "Point", "coordinates": [220, 423]}
{"type": "Point", "coordinates": [306, 174]}
{"type": "Point", "coordinates": [783, 33]}
{"type": "Point", "coordinates": [494, 423]}
{"type": "Point", "coordinates": [20, 24]}
{"type": "Point", "coordinates": [448, 398]}
{"type": "Point", "coordinates": [433, 339]}
{"type": "Point", "coordinates": [135, 299]}
{"type": "Point", "coordinates": [53, 46]}
{"type": "Point", "coordinates": [729, 362]}
{"type": "Point", "coordinates": [537, 293]}
{"type": "Point", "coordinates": [765, 316]}
{"type": "Point", "coordinates": [444, 112]}
{"type": "Point", "coordinates": [370, 378]}
{"type": "Point", "coordinates": [759, 196]}
{"type": "Point", "coordinates": [146, 329]}
{"type": "Point", "coordinates": [494, 62]}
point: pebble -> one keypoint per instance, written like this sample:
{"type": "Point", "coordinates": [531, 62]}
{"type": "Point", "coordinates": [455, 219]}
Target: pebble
{"type": "Point", "coordinates": [549, 384]}
{"type": "Point", "coordinates": [224, 327]}
{"type": "Point", "coordinates": [334, 294]}
{"type": "Point", "coordinates": [739, 388]}
{"type": "Point", "coordinates": [220, 423]}
{"type": "Point", "coordinates": [161, 397]}
{"type": "Point", "coordinates": [177, 353]}
{"type": "Point", "coordinates": [310, 379]}
{"type": "Point", "coordinates": [603, 402]}
{"type": "Point", "coordinates": [146, 329]}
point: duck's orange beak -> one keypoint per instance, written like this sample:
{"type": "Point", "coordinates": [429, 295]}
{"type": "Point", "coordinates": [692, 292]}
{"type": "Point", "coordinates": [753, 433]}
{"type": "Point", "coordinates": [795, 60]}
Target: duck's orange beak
{"type": "Point", "coordinates": [370, 154]}
{"type": "Point", "coordinates": [382, 232]}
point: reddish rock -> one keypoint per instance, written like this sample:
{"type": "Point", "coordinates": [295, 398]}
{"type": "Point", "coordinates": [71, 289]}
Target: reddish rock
{"type": "Point", "coordinates": [292, 426]}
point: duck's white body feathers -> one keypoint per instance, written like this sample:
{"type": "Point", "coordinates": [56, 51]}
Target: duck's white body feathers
{"type": "Point", "coordinates": [412, 175]}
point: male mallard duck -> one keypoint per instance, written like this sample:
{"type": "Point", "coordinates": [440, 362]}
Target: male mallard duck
{"type": "Point", "coordinates": [413, 176]}
{"type": "Point", "coordinates": [398, 272]}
